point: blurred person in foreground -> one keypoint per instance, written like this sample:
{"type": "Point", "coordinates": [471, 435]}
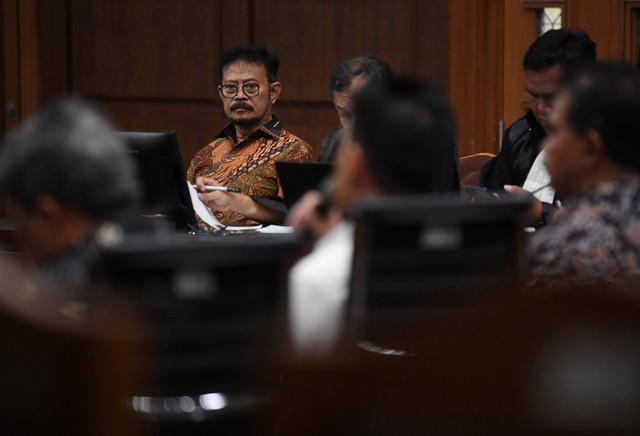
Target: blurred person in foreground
{"type": "Point", "coordinates": [593, 158]}
{"type": "Point", "coordinates": [413, 118]}
{"type": "Point", "coordinates": [65, 173]}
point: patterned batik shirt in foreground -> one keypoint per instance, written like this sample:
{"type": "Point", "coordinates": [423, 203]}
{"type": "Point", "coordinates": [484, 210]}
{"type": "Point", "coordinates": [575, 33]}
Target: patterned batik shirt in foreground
{"type": "Point", "coordinates": [249, 165]}
{"type": "Point", "coordinates": [596, 238]}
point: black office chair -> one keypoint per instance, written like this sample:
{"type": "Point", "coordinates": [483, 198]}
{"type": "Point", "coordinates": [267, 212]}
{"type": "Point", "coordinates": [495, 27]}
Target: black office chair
{"type": "Point", "coordinates": [214, 305]}
{"type": "Point", "coordinates": [422, 256]}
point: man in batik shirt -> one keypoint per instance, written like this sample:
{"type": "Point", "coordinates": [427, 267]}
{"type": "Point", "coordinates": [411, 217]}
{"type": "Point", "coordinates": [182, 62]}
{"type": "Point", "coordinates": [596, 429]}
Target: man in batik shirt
{"type": "Point", "coordinates": [594, 161]}
{"type": "Point", "coordinates": [244, 154]}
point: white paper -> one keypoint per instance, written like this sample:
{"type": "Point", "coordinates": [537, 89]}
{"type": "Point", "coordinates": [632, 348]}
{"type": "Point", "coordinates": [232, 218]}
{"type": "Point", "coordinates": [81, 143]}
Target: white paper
{"type": "Point", "coordinates": [209, 218]}
{"type": "Point", "coordinates": [272, 228]}
{"type": "Point", "coordinates": [203, 211]}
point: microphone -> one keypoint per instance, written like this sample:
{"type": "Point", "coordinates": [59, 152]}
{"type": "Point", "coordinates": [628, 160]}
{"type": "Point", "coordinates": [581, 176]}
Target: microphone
{"type": "Point", "coordinates": [326, 188]}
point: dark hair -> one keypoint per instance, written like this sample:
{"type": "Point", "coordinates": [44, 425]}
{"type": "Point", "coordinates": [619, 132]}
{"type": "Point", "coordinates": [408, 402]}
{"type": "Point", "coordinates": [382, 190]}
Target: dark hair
{"type": "Point", "coordinates": [372, 68]}
{"type": "Point", "coordinates": [407, 131]}
{"type": "Point", "coordinates": [605, 96]}
{"type": "Point", "coordinates": [252, 54]}
{"type": "Point", "coordinates": [70, 151]}
{"type": "Point", "coordinates": [561, 46]}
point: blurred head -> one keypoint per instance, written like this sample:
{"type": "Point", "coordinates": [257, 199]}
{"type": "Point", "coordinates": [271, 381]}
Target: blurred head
{"type": "Point", "coordinates": [401, 142]}
{"type": "Point", "coordinates": [248, 86]}
{"type": "Point", "coordinates": [544, 62]}
{"type": "Point", "coordinates": [65, 163]}
{"type": "Point", "coordinates": [594, 128]}
{"type": "Point", "coordinates": [350, 76]}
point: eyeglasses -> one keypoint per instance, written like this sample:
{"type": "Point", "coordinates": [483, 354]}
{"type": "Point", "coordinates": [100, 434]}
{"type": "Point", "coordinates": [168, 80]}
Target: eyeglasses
{"type": "Point", "coordinates": [251, 89]}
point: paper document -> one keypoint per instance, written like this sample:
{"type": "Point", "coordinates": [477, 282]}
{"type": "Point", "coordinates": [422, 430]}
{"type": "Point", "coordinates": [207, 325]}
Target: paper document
{"type": "Point", "coordinates": [272, 228]}
{"type": "Point", "coordinates": [202, 210]}
{"type": "Point", "coordinates": [208, 217]}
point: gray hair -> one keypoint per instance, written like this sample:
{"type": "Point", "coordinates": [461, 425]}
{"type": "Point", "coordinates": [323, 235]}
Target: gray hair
{"type": "Point", "coordinates": [70, 151]}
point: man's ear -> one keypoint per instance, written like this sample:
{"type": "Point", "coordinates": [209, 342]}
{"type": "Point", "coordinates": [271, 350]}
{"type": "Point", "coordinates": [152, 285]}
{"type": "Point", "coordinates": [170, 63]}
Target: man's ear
{"type": "Point", "coordinates": [49, 208]}
{"type": "Point", "coordinates": [595, 152]}
{"type": "Point", "coordinates": [274, 91]}
{"type": "Point", "coordinates": [360, 167]}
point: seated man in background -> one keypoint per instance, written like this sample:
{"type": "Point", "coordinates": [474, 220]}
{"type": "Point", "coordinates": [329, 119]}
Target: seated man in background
{"type": "Point", "coordinates": [346, 79]}
{"type": "Point", "coordinates": [415, 120]}
{"type": "Point", "coordinates": [594, 160]}
{"type": "Point", "coordinates": [244, 154]}
{"type": "Point", "coordinates": [517, 163]}
{"type": "Point", "coordinates": [65, 172]}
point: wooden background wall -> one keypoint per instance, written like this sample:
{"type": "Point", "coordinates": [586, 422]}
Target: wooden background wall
{"type": "Point", "coordinates": [152, 64]}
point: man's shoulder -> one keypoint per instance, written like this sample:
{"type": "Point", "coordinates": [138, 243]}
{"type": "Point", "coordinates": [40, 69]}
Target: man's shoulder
{"type": "Point", "coordinates": [294, 141]}
{"type": "Point", "coordinates": [214, 143]}
{"type": "Point", "coordinates": [332, 136]}
{"type": "Point", "coordinates": [520, 127]}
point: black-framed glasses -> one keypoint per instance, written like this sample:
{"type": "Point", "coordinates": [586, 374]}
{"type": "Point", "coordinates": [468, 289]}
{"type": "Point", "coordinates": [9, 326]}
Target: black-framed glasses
{"type": "Point", "coordinates": [250, 89]}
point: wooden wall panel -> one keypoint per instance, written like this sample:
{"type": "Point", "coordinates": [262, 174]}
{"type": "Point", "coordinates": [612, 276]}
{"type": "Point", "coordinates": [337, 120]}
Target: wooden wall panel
{"type": "Point", "coordinates": [520, 30]}
{"type": "Point", "coordinates": [315, 35]}
{"type": "Point", "coordinates": [308, 121]}
{"type": "Point", "coordinates": [153, 63]}
{"type": "Point", "coordinates": [236, 23]}
{"type": "Point", "coordinates": [432, 41]}
{"type": "Point", "coordinates": [146, 48]}
{"type": "Point", "coordinates": [196, 123]}
{"type": "Point", "coordinates": [476, 73]}
{"type": "Point", "coordinates": [53, 54]}
{"type": "Point", "coordinates": [10, 71]}
{"type": "Point", "coordinates": [603, 20]}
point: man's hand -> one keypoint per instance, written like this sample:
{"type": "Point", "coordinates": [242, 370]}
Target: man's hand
{"type": "Point", "coordinates": [235, 202]}
{"type": "Point", "coordinates": [536, 205]}
{"type": "Point", "coordinates": [216, 200]}
{"type": "Point", "coordinates": [306, 216]}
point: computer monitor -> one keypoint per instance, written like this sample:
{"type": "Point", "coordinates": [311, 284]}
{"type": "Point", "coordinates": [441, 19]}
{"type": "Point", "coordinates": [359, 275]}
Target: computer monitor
{"type": "Point", "coordinates": [162, 175]}
{"type": "Point", "coordinates": [297, 178]}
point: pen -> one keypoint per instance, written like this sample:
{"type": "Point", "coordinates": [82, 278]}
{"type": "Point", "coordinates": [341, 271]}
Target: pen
{"type": "Point", "coordinates": [218, 188]}
{"type": "Point", "coordinates": [540, 188]}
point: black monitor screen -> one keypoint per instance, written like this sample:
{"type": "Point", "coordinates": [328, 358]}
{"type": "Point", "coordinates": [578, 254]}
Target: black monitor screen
{"type": "Point", "coordinates": [162, 174]}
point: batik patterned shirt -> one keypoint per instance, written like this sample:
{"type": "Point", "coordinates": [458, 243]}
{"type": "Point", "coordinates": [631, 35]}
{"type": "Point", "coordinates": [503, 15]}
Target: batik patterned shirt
{"type": "Point", "coordinates": [595, 238]}
{"type": "Point", "coordinates": [250, 164]}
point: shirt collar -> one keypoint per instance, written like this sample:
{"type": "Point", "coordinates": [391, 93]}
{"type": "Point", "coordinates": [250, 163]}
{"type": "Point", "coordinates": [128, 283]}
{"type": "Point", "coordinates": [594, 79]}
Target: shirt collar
{"type": "Point", "coordinates": [271, 128]}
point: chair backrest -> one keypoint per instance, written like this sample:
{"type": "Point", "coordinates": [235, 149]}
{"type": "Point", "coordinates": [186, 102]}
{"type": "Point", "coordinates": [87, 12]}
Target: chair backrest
{"type": "Point", "coordinates": [469, 168]}
{"type": "Point", "coordinates": [425, 254]}
{"type": "Point", "coordinates": [215, 306]}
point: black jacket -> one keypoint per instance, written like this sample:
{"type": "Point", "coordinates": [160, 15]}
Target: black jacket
{"type": "Point", "coordinates": [520, 147]}
{"type": "Point", "coordinates": [331, 144]}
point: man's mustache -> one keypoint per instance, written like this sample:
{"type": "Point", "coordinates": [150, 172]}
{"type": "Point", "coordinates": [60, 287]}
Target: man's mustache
{"type": "Point", "coordinates": [241, 105]}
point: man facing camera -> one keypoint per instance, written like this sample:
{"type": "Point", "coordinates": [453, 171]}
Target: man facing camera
{"type": "Point", "coordinates": [417, 121]}
{"type": "Point", "coordinates": [244, 153]}
{"type": "Point", "coordinates": [594, 163]}
{"type": "Point", "coordinates": [65, 172]}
